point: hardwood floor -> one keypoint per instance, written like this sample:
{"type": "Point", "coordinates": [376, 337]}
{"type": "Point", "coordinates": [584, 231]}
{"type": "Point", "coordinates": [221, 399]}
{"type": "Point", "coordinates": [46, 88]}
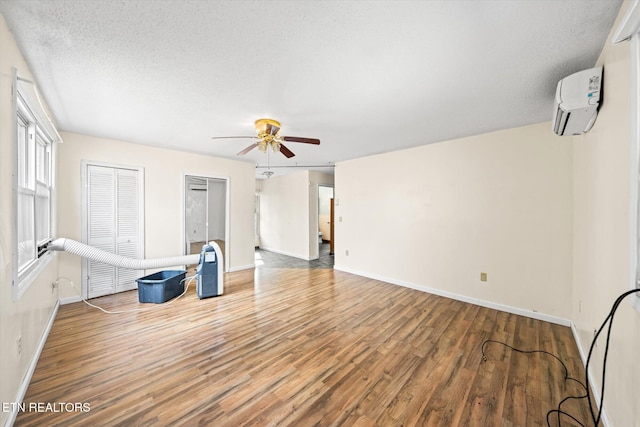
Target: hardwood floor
{"type": "Point", "coordinates": [302, 348]}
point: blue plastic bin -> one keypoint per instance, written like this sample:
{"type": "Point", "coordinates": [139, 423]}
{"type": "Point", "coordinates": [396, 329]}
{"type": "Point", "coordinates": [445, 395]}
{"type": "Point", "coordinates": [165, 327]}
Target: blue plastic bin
{"type": "Point", "coordinates": [161, 286]}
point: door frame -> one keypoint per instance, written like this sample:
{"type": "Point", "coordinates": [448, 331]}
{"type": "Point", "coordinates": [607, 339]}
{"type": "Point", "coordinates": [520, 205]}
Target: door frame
{"type": "Point", "coordinates": [317, 214]}
{"type": "Point", "coordinates": [85, 220]}
{"type": "Point", "coordinates": [227, 243]}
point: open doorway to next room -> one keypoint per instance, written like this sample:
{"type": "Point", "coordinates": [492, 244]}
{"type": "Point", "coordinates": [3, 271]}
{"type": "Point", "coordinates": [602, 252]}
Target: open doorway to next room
{"type": "Point", "coordinates": [205, 213]}
{"type": "Point", "coordinates": [325, 219]}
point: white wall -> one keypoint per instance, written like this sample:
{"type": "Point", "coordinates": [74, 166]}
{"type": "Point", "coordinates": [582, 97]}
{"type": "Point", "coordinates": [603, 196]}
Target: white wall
{"type": "Point", "coordinates": [164, 172]}
{"type": "Point", "coordinates": [436, 216]}
{"type": "Point", "coordinates": [602, 231]}
{"type": "Point", "coordinates": [289, 213]}
{"type": "Point", "coordinates": [284, 214]}
{"type": "Point", "coordinates": [28, 317]}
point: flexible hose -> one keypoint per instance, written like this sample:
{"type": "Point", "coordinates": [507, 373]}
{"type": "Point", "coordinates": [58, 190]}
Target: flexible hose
{"type": "Point", "coordinates": [86, 251]}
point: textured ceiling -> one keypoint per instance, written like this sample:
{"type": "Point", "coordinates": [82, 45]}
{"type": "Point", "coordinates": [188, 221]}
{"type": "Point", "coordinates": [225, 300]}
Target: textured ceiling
{"type": "Point", "coordinates": [364, 77]}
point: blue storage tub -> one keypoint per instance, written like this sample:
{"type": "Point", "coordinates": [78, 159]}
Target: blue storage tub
{"type": "Point", "coordinates": [161, 286]}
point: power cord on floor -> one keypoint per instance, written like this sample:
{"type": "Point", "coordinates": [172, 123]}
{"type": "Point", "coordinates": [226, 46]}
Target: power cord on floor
{"type": "Point", "coordinates": [564, 367]}
{"type": "Point", "coordinates": [71, 284]}
{"type": "Point", "coordinates": [558, 410]}
{"type": "Point", "coordinates": [609, 319]}
{"type": "Point", "coordinates": [595, 418]}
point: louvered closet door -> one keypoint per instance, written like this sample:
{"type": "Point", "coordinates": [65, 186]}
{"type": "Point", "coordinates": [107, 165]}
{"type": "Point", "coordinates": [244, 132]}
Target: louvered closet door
{"type": "Point", "coordinates": [127, 226]}
{"type": "Point", "coordinates": [112, 225]}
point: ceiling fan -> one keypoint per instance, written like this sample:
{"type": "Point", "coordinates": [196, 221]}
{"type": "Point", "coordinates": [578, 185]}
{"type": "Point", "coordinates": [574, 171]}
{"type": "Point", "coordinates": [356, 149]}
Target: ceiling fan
{"type": "Point", "coordinates": [268, 131]}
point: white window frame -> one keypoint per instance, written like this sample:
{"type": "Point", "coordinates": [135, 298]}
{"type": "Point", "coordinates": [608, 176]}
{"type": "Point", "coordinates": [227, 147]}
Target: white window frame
{"type": "Point", "coordinates": [629, 29]}
{"type": "Point", "coordinates": [35, 181]}
{"type": "Point", "coordinates": [635, 141]}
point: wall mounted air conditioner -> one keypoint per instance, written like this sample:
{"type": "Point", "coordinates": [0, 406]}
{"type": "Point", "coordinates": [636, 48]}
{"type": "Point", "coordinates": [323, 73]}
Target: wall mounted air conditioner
{"type": "Point", "coordinates": [576, 103]}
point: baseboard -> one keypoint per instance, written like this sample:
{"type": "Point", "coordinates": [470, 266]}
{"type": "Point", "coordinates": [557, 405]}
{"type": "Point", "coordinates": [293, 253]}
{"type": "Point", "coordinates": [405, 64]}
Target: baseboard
{"type": "Point", "coordinates": [242, 267]}
{"type": "Point", "coordinates": [483, 303]}
{"type": "Point", "coordinates": [594, 389]}
{"type": "Point", "coordinates": [277, 251]}
{"type": "Point", "coordinates": [69, 300]}
{"type": "Point", "coordinates": [22, 390]}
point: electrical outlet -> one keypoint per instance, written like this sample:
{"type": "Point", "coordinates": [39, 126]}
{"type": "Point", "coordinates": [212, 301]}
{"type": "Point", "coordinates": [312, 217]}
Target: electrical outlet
{"type": "Point", "coordinates": [19, 345]}
{"type": "Point", "coordinates": [483, 277]}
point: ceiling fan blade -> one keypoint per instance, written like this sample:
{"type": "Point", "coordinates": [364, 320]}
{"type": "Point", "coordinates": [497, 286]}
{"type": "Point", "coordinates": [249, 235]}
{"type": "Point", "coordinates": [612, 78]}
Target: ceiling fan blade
{"type": "Point", "coordinates": [246, 150]}
{"type": "Point", "coordinates": [230, 137]}
{"type": "Point", "coordinates": [287, 153]}
{"type": "Point", "coordinates": [303, 140]}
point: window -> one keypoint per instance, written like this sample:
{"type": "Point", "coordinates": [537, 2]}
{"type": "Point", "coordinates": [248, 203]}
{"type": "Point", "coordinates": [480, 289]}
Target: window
{"type": "Point", "coordinates": [34, 148]}
{"type": "Point", "coordinates": [629, 29]}
{"type": "Point", "coordinates": [635, 136]}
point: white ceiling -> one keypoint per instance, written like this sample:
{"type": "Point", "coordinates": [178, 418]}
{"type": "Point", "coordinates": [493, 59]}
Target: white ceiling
{"type": "Point", "coordinates": [364, 77]}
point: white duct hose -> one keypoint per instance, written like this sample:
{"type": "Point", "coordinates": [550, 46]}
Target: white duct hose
{"type": "Point", "coordinates": [105, 257]}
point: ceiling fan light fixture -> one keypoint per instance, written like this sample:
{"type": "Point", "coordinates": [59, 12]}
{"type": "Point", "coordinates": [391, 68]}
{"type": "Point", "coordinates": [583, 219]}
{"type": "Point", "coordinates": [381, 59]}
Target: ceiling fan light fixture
{"type": "Point", "coordinates": [263, 145]}
{"type": "Point", "coordinates": [268, 131]}
{"type": "Point", "coordinates": [267, 127]}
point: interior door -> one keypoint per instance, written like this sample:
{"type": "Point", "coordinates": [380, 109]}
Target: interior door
{"type": "Point", "coordinates": [127, 226]}
{"type": "Point", "coordinates": [113, 225]}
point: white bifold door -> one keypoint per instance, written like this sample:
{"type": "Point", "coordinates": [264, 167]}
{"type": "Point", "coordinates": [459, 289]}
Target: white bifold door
{"type": "Point", "coordinates": [113, 223]}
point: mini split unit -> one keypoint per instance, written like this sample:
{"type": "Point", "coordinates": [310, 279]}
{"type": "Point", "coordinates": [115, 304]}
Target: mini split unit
{"type": "Point", "coordinates": [576, 102]}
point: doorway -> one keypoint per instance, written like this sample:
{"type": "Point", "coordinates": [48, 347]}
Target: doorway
{"type": "Point", "coordinates": [206, 214]}
{"type": "Point", "coordinates": [325, 219]}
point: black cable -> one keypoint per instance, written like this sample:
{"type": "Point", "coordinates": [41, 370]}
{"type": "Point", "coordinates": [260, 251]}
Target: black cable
{"type": "Point", "coordinates": [566, 371]}
{"type": "Point", "coordinates": [562, 413]}
{"type": "Point", "coordinates": [558, 410]}
{"type": "Point", "coordinates": [609, 319]}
